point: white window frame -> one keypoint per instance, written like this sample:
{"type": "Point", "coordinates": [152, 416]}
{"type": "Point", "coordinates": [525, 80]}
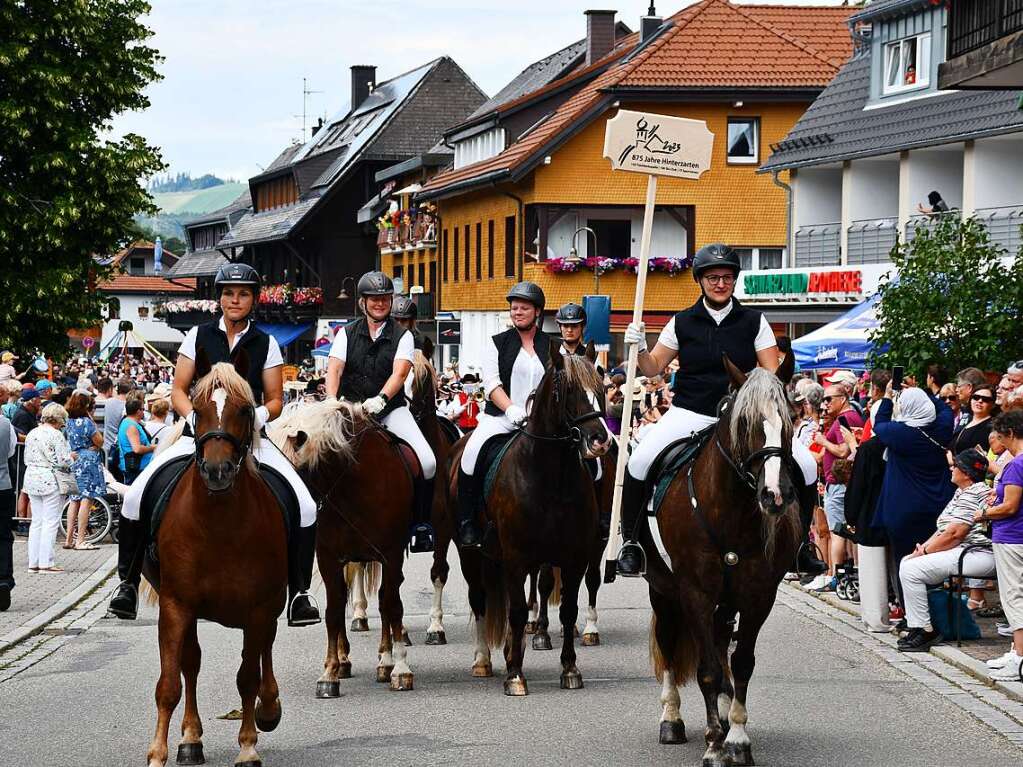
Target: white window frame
{"type": "Point", "coordinates": [480, 147]}
{"type": "Point", "coordinates": [755, 159]}
{"type": "Point", "coordinates": [922, 64]}
{"type": "Point", "coordinates": [755, 265]}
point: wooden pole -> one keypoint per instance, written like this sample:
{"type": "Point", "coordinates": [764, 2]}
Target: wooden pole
{"type": "Point", "coordinates": [614, 539]}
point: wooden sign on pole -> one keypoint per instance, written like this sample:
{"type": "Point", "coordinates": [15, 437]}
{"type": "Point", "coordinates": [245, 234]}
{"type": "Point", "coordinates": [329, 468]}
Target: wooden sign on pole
{"type": "Point", "coordinates": [657, 145]}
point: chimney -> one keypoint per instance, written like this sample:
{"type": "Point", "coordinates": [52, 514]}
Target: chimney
{"type": "Point", "coordinates": [600, 34]}
{"type": "Point", "coordinates": [316, 128]}
{"type": "Point", "coordinates": [364, 80]}
{"type": "Point", "coordinates": [649, 24]}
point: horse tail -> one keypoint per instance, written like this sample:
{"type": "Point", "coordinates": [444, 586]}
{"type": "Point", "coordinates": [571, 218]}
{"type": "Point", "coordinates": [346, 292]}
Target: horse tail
{"type": "Point", "coordinates": [370, 571]}
{"type": "Point", "coordinates": [147, 594]}
{"type": "Point", "coordinates": [495, 619]}
{"type": "Point", "coordinates": [555, 598]}
{"type": "Point", "coordinates": [684, 655]}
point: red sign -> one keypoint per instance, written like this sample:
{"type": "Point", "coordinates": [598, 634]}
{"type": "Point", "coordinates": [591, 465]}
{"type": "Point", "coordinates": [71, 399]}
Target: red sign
{"type": "Point", "coordinates": [835, 282]}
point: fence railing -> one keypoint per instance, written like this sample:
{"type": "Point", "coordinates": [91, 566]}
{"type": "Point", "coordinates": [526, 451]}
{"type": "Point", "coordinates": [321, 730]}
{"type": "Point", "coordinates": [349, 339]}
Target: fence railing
{"type": "Point", "coordinates": [870, 241]}
{"type": "Point", "coordinates": [1003, 226]}
{"type": "Point", "coordinates": [819, 245]}
{"type": "Point", "coordinates": [973, 24]}
{"type": "Point", "coordinates": [928, 222]}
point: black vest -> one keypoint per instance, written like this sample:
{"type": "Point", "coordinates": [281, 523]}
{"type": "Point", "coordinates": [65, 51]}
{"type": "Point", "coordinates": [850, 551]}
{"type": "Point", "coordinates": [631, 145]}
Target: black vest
{"type": "Point", "coordinates": [213, 341]}
{"type": "Point", "coordinates": [370, 363]}
{"type": "Point", "coordinates": [701, 380]}
{"type": "Point", "coordinates": [508, 345]}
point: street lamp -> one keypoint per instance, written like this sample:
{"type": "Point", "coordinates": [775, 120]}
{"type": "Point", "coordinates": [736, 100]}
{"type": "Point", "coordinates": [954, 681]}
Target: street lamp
{"type": "Point", "coordinates": [573, 255]}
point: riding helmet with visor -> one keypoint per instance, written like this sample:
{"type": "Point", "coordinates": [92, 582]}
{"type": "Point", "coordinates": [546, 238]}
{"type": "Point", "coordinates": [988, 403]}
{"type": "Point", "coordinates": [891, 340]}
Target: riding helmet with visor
{"type": "Point", "coordinates": [713, 256]}
{"type": "Point", "coordinates": [528, 291]}
{"type": "Point", "coordinates": [233, 273]}
{"type": "Point", "coordinates": [404, 308]}
{"type": "Point", "coordinates": [570, 314]}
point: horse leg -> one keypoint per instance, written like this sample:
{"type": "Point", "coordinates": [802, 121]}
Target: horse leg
{"type": "Point", "coordinates": [268, 709]}
{"type": "Point", "coordinates": [666, 625]}
{"type": "Point", "coordinates": [545, 586]}
{"type": "Point", "coordinates": [336, 666]}
{"type": "Point", "coordinates": [724, 625]}
{"type": "Point", "coordinates": [254, 640]}
{"type": "Point", "coordinates": [435, 634]}
{"type": "Point", "coordinates": [359, 600]}
{"type": "Point", "coordinates": [401, 677]}
{"type": "Point", "coordinates": [532, 604]}
{"type": "Point", "coordinates": [515, 648]}
{"type": "Point", "coordinates": [710, 675]}
{"type": "Point", "coordinates": [571, 578]}
{"type": "Point", "coordinates": [173, 626]}
{"type": "Point", "coordinates": [591, 634]}
{"type": "Point", "coordinates": [737, 744]}
{"type": "Point", "coordinates": [481, 663]}
{"type": "Point", "coordinates": [190, 748]}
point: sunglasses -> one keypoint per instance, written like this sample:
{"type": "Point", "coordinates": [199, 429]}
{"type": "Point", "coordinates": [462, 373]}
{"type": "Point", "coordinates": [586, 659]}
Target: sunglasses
{"type": "Point", "coordinates": [982, 398]}
{"type": "Point", "coordinates": [834, 396]}
{"type": "Point", "coordinates": [950, 398]}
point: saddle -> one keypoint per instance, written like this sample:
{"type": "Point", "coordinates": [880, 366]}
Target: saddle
{"type": "Point", "coordinates": [670, 461]}
{"type": "Point", "coordinates": [449, 428]}
{"type": "Point", "coordinates": [408, 455]}
{"type": "Point", "coordinates": [489, 460]}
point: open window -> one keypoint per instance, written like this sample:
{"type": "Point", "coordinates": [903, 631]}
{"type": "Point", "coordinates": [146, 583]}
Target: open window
{"type": "Point", "coordinates": [614, 237]}
{"type": "Point", "coordinates": [744, 140]}
{"type": "Point", "coordinates": [907, 64]}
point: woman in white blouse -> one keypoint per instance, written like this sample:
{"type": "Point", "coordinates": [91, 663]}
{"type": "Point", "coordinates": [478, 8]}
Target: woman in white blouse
{"type": "Point", "coordinates": [46, 453]}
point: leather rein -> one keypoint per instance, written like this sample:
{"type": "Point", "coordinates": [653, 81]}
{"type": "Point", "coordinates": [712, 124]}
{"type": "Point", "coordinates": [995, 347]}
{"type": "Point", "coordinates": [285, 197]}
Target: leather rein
{"type": "Point", "coordinates": [573, 435]}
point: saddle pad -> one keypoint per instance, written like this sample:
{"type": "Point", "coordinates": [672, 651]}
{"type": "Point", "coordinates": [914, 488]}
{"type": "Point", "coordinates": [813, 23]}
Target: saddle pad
{"type": "Point", "coordinates": [672, 460]}
{"type": "Point", "coordinates": [490, 459]}
{"type": "Point", "coordinates": [285, 495]}
{"type": "Point", "coordinates": [450, 430]}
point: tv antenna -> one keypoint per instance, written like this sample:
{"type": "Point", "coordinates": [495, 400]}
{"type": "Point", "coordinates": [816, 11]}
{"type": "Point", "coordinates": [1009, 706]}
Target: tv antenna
{"type": "Point", "coordinates": [306, 93]}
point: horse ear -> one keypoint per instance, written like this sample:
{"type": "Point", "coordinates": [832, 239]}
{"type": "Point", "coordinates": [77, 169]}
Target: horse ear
{"type": "Point", "coordinates": [300, 439]}
{"type": "Point", "coordinates": [428, 349]}
{"type": "Point", "coordinates": [242, 363]}
{"type": "Point", "coordinates": [737, 377]}
{"type": "Point", "coordinates": [591, 352]}
{"type": "Point", "coordinates": [557, 359]}
{"type": "Point", "coordinates": [202, 364]}
{"type": "Point", "coordinates": [787, 368]}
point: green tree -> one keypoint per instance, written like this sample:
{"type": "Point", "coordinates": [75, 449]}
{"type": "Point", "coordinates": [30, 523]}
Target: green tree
{"type": "Point", "coordinates": [67, 191]}
{"type": "Point", "coordinates": [955, 301]}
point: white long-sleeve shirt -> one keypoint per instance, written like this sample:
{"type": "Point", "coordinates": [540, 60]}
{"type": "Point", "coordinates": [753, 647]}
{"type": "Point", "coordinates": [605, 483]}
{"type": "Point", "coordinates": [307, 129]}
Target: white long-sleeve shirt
{"type": "Point", "coordinates": [526, 374]}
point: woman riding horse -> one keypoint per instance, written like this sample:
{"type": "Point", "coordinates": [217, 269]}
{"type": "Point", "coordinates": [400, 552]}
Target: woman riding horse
{"type": "Point", "coordinates": [717, 324]}
{"type": "Point", "coordinates": [368, 363]}
{"type": "Point", "coordinates": [225, 340]}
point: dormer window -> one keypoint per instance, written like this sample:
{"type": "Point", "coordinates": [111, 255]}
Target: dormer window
{"type": "Point", "coordinates": [907, 64]}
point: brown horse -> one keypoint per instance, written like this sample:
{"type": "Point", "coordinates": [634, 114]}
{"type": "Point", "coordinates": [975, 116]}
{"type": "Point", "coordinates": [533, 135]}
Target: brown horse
{"type": "Point", "coordinates": [354, 466]}
{"type": "Point", "coordinates": [544, 511]}
{"type": "Point", "coordinates": [222, 554]}
{"type": "Point", "coordinates": [727, 530]}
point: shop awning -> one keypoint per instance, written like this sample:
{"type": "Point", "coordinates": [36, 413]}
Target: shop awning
{"type": "Point", "coordinates": [843, 343]}
{"type": "Point", "coordinates": [285, 332]}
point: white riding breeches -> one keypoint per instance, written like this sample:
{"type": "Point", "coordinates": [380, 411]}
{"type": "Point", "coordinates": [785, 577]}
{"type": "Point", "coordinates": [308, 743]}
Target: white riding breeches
{"type": "Point", "coordinates": [401, 423]}
{"type": "Point", "coordinates": [679, 423]}
{"type": "Point", "coordinates": [488, 426]}
{"type": "Point", "coordinates": [266, 452]}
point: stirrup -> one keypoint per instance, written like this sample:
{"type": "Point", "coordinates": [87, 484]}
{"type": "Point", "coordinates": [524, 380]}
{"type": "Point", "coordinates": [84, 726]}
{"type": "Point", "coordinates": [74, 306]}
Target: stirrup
{"type": "Point", "coordinates": [633, 548]}
{"type": "Point", "coordinates": [312, 603]}
{"type": "Point", "coordinates": [421, 539]}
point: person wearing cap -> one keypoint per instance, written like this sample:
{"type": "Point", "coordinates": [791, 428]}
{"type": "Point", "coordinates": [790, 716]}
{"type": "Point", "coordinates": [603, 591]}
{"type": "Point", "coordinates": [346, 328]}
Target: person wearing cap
{"type": "Point", "coordinates": [7, 371]}
{"type": "Point", "coordinates": [571, 319]}
{"type": "Point", "coordinates": [369, 361]}
{"type": "Point", "coordinates": [514, 363]}
{"type": "Point", "coordinates": [26, 417]}
{"type": "Point", "coordinates": [937, 558]}
{"type": "Point", "coordinates": [716, 324]}
{"type": "Point", "coordinates": [46, 389]}
{"type": "Point", "coordinates": [848, 381]}
{"type": "Point", "coordinates": [225, 340]}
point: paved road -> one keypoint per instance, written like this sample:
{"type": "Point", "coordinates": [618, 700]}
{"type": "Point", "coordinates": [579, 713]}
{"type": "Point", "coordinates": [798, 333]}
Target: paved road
{"type": "Point", "coordinates": [818, 698]}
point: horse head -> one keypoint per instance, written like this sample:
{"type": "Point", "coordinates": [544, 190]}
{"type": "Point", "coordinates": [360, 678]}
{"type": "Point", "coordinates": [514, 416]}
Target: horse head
{"type": "Point", "coordinates": [571, 398]}
{"type": "Point", "coordinates": [225, 414]}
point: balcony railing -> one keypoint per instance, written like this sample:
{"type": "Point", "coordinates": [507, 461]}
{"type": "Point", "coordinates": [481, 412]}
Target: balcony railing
{"type": "Point", "coordinates": [871, 241]}
{"type": "Point", "coordinates": [1003, 226]}
{"type": "Point", "coordinates": [973, 24]}
{"type": "Point", "coordinates": [927, 221]}
{"type": "Point", "coordinates": [818, 245]}
{"type": "Point", "coordinates": [410, 231]}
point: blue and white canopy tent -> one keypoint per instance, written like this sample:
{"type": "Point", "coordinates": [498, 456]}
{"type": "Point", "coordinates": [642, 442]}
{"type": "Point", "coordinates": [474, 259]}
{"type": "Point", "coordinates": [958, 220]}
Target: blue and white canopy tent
{"type": "Point", "coordinates": [842, 343]}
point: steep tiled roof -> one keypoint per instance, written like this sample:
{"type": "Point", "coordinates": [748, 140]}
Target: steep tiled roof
{"type": "Point", "coordinates": [126, 283]}
{"type": "Point", "coordinates": [198, 263]}
{"type": "Point", "coordinates": [118, 258]}
{"type": "Point", "coordinates": [267, 225]}
{"type": "Point", "coordinates": [243, 201]}
{"type": "Point", "coordinates": [712, 44]}
{"type": "Point", "coordinates": [836, 127]}
{"type": "Point", "coordinates": [823, 29]}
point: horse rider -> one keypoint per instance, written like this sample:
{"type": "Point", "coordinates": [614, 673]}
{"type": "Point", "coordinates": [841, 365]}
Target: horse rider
{"type": "Point", "coordinates": [513, 365]}
{"type": "Point", "coordinates": [237, 286]}
{"type": "Point", "coordinates": [571, 319]}
{"type": "Point", "coordinates": [369, 362]}
{"type": "Point", "coordinates": [405, 311]}
{"type": "Point", "coordinates": [716, 324]}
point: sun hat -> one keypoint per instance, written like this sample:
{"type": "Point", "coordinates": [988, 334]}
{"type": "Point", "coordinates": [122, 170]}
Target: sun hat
{"type": "Point", "coordinates": [44, 383]}
{"type": "Point", "coordinates": [972, 464]}
{"type": "Point", "coordinates": [8, 357]}
{"type": "Point", "coordinates": [846, 377]}
{"type": "Point", "coordinates": [160, 391]}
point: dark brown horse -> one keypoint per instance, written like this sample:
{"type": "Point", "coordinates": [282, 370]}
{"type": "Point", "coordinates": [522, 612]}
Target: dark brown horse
{"type": "Point", "coordinates": [726, 532]}
{"type": "Point", "coordinates": [222, 554]}
{"type": "Point", "coordinates": [544, 512]}
{"type": "Point", "coordinates": [352, 464]}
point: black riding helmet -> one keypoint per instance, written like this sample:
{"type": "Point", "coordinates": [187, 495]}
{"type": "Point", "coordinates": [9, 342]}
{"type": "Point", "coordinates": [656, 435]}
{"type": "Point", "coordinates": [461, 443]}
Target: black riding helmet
{"type": "Point", "coordinates": [375, 284]}
{"type": "Point", "coordinates": [715, 255]}
{"type": "Point", "coordinates": [570, 314]}
{"type": "Point", "coordinates": [237, 274]}
{"type": "Point", "coordinates": [528, 291]}
{"type": "Point", "coordinates": [404, 308]}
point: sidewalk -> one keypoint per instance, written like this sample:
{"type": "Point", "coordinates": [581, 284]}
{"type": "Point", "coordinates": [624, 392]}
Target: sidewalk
{"type": "Point", "coordinates": [40, 598]}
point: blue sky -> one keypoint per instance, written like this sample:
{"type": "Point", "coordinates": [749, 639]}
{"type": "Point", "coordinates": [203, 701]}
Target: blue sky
{"type": "Point", "coordinates": [231, 97]}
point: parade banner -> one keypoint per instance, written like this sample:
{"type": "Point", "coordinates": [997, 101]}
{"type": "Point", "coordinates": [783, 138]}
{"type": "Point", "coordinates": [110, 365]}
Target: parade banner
{"type": "Point", "coordinates": [658, 145]}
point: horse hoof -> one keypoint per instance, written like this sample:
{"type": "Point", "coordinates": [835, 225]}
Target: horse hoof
{"type": "Point", "coordinates": [739, 754]}
{"type": "Point", "coordinates": [327, 690]}
{"type": "Point", "coordinates": [515, 687]}
{"type": "Point", "coordinates": [591, 640]}
{"type": "Point", "coordinates": [384, 674]}
{"type": "Point", "coordinates": [269, 725]}
{"type": "Point", "coordinates": [250, 763]}
{"type": "Point", "coordinates": [483, 670]}
{"type": "Point", "coordinates": [542, 641]}
{"type": "Point", "coordinates": [406, 638]}
{"type": "Point", "coordinates": [530, 627]}
{"type": "Point", "coordinates": [673, 733]}
{"type": "Point", "coordinates": [360, 624]}
{"type": "Point", "coordinates": [436, 637]}
{"type": "Point", "coordinates": [716, 760]}
{"type": "Point", "coordinates": [571, 680]}
{"type": "Point", "coordinates": [191, 753]}
{"type": "Point", "coordinates": [401, 682]}
{"type": "Point", "coordinates": [344, 670]}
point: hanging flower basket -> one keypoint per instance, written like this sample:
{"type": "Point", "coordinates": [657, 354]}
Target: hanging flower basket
{"type": "Point", "coordinates": [669, 266]}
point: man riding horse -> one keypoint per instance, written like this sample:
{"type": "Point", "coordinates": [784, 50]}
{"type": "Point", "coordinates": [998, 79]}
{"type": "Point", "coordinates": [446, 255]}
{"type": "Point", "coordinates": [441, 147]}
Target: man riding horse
{"type": "Point", "coordinates": [716, 325]}
{"type": "Point", "coordinates": [513, 365]}
{"type": "Point", "coordinates": [369, 362]}
{"type": "Point", "coordinates": [228, 339]}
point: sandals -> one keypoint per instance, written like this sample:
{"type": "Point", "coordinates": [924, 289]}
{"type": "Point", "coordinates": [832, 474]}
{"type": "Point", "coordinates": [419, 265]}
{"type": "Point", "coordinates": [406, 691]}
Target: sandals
{"type": "Point", "coordinates": [994, 611]}
{"type": "Point", "coordinates": [51, 569]}
{"type": "Point", "coordinates": [85, 547]}
{"type": "Point", "coordinates": [973, 605]}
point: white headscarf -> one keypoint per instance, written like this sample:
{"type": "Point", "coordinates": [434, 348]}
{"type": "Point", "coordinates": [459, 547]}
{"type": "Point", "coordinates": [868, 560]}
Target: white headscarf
{"type": "Point", "coordinates": [914, 408]}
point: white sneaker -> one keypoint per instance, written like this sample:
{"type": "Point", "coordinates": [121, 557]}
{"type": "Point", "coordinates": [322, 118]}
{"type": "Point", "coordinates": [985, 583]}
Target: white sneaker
{"type": "Point", "coordinates": [1003, 629]}
{"type": "Point", "coordinates": [818, 583]}
{"type": "Point", "coordinates": [1002, 660]}
{"type": "Point", "coordinates": [1010, 671]}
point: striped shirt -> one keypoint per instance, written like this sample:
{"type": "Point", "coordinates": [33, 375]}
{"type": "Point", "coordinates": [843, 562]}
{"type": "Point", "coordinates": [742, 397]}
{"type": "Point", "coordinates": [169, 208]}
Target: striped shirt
{"type": "Point", "coordinates": [960, 510]}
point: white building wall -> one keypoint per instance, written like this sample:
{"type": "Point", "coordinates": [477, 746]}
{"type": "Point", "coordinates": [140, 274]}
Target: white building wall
{"type": "Point", "coordinates": [668, 239]}
{"type": "Point", "coordinates": [817, 196]}
{"type": "Point", "coordinates": [477, 330]}
{"type": "Point", "coordinates": [938, 170]}
{"type": "Point", "coordinates": [998, 167]}
{"type": "Point", "coordinates": [874, 189]}
{"type": "Point", "coordinates": [154, 331]}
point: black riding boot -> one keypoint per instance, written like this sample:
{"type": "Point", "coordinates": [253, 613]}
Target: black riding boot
{"type": "Point", "coordinates": [807, 560]}
{"type": "Point", "coordinates": [131, 541]}
{"type": "Point", "coordinates": [302, 609]}
{"type": "Point", "coordinates": [632, 558]}
{"type": "Point", "coordinates": [421, 538]}
{"type": "Point", "coordinates": [468, 533]}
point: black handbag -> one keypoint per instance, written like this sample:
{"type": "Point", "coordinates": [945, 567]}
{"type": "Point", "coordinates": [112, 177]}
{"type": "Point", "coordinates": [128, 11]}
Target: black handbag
{"type": "Point", "coordinates": [133, 462]}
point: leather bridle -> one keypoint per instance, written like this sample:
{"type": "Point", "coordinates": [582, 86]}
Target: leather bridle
{"type": "Point", "coordinates": [241, 446]}
{"type": "Point", "coordinates": [574, 435]}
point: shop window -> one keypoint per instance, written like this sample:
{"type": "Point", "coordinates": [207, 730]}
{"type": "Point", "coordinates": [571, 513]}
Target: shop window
{"type": "Point", "coordinates": [743, 140]}
{"type": "Point", "coordinates": [907, 64]}
{"type": "Point", "coordinates": [614, 238]}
